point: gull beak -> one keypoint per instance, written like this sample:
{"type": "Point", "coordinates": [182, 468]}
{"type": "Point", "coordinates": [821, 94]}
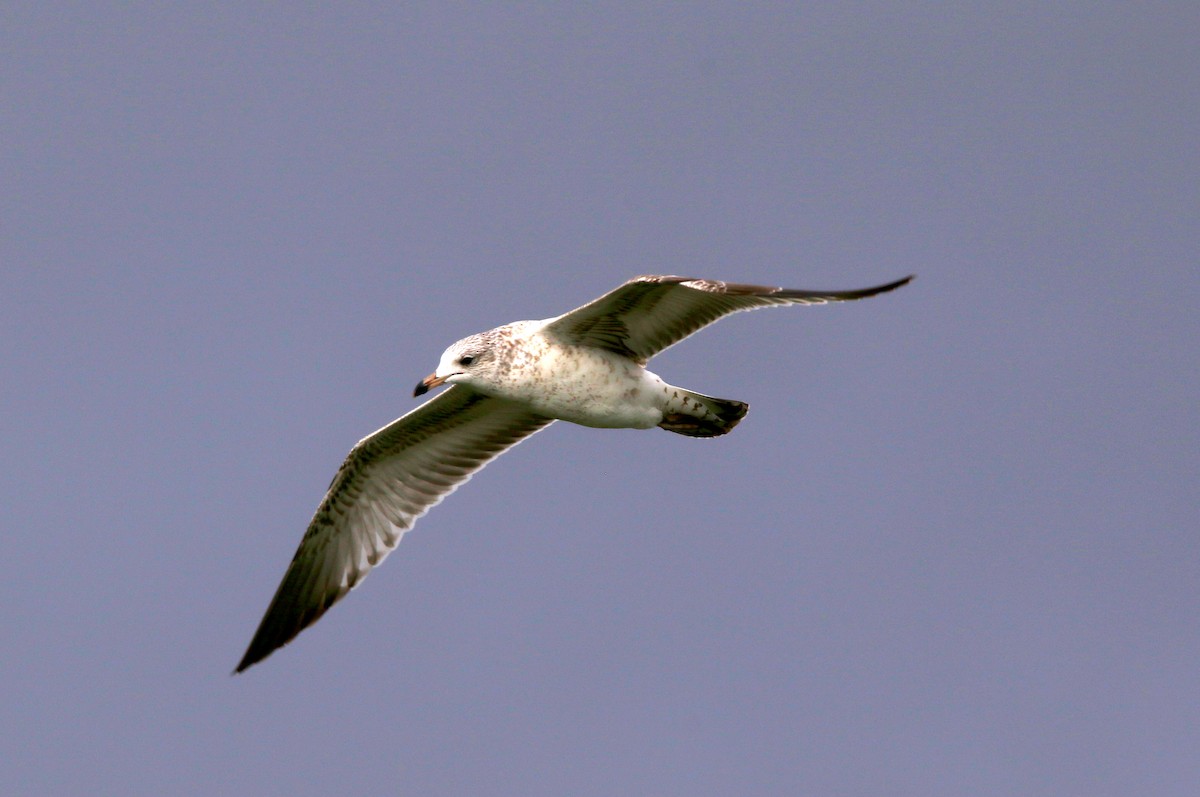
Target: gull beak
{"type": "Point", "coordinates": [433, 380]}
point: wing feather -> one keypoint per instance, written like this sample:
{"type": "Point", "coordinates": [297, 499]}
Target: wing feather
{"type": "Point", "coordinates": [389, 479]}
{"type": "Point", "coordinates": [651, 313]}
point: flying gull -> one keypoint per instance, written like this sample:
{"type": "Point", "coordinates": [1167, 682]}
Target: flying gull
{"type": "Point", "coordinates": [587, 366]}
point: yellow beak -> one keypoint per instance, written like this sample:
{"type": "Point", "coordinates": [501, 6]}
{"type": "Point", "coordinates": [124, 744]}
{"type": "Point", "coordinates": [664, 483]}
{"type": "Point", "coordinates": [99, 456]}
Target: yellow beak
{"type": "Point", "coordinates": [433, 380]}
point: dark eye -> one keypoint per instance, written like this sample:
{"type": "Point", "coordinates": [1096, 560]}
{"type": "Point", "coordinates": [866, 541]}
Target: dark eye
{"type": "Point", "coordinates": [466, 359]}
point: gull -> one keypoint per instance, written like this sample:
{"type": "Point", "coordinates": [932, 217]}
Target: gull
{"type": "Point", "coordinates": [587, 366]}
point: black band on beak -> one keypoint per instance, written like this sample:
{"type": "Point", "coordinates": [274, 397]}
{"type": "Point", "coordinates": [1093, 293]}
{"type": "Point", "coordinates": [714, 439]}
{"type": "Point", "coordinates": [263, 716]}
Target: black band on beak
{"type": "Point", "coordinates": [433, 380]}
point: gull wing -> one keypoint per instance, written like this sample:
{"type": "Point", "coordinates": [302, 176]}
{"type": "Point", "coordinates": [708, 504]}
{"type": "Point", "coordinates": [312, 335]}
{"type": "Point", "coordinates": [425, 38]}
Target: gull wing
{"type": "Point", "coordinates": [389, 479]}
{"type": "Point", "coordinates": [650, 313]}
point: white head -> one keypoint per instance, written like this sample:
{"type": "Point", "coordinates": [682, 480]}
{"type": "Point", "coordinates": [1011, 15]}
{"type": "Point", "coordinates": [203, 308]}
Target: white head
{"type": "Point", "coordinates": [472, 361]}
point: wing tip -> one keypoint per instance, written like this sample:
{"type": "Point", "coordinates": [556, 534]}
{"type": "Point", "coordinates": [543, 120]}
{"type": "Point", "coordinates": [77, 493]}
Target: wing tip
{"type": "Point", "coordinates": [891, 286]}
{"type": "Point", "coordinates": [843, 296]}
{"type": "Point", "coordinates": [887, 286]}
{"type": "Point", "coordinates": [257, 651]}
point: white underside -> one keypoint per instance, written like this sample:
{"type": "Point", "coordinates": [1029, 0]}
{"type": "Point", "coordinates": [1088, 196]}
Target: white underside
{"type": "Point", "coordinates": [592, 387]}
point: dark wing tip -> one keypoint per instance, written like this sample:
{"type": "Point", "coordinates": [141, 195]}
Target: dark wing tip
{"type": "Point", "coordinates": [259, 649]}
{"type": "Point", "coordinates": [262, 646]}
{"type": "Point", "coordinates": [284, 620]}
{"type": "Point", "coordinates": [891, 286]}
{"type": "Point", "coordinates": [281, 625]}
{"type": "Point", "coordinates": [843, 296]}
{"type": "Point", "coordinates": [251, 658]}
{"type": "Point", "coordinates": [863, 293]}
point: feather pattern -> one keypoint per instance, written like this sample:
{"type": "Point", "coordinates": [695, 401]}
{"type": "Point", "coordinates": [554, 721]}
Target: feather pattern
{"type": "Point", "coordinates": [651, 313]}
{"type": "Point", "coordinates": [389, 479]}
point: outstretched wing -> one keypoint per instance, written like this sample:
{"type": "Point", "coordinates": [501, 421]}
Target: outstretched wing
{"type": "Point", "coordinates": [650, 313]}
{"type": "Point", "coordinates": [389, 479]}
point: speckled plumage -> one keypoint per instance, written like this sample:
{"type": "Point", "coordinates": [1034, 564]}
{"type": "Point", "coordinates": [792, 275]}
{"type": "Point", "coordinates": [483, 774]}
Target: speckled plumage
{"type": "Point", "coordinates": [586, 366]}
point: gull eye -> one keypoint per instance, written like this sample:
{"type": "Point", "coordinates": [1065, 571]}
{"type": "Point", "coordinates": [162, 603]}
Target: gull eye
{"type": "Point", "coordinates": [466, 359]}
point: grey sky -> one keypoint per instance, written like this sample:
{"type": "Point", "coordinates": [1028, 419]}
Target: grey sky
{"type": "Point", "coordinates": [952, 549]}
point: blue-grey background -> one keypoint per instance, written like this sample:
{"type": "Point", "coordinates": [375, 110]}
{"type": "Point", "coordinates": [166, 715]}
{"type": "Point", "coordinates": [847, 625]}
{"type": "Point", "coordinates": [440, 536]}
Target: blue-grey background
{"type": "Point", "coordinates": [952, 550]}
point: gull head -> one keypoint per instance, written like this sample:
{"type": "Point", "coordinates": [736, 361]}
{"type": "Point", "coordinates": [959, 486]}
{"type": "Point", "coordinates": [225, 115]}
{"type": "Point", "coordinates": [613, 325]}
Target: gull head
{"type": "Point", "coordinates": [471, 361]}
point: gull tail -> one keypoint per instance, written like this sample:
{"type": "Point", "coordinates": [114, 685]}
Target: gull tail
{"type": "Point", "coordinates": [697, 415]}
